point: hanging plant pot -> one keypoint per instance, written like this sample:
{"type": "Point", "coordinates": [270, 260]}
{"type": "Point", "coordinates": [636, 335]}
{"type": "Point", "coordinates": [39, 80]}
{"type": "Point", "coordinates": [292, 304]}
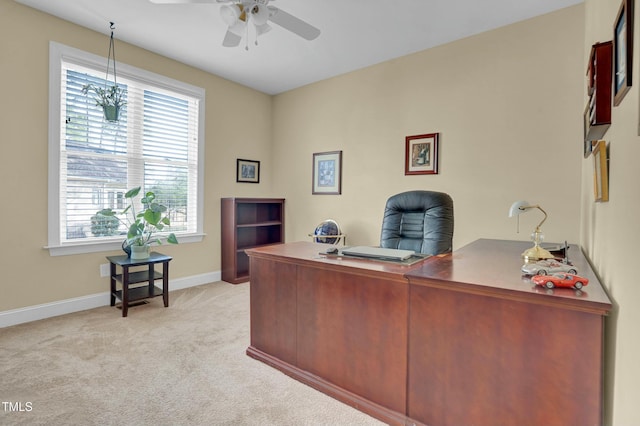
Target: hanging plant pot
{"type": "Point", "coordinates": [111, 112]}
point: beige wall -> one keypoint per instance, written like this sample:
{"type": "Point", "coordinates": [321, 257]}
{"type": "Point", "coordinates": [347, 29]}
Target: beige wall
{"type": "Point", "coordinates": [507, 105]}
{"type": "Point", "coordinates": [609, 231]}
{"type": "Point", "coordinates": [29, 275]}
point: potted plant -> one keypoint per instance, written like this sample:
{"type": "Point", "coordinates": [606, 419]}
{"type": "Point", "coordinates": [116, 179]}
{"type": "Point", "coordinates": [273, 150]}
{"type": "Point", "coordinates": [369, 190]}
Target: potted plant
{"type": "Point", "coordinates": [110, 98]}
{"type": "Point", "coordinates": [142, 225]}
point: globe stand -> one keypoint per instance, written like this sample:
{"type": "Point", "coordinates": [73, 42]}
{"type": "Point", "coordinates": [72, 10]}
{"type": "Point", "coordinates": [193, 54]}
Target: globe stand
{"type": "Point", "coordinates": [328, 232]}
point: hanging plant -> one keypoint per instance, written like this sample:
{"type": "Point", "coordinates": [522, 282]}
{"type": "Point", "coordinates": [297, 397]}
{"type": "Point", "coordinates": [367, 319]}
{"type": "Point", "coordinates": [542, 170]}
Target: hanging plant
{"type": "Point", "coordinates": [110, 97]}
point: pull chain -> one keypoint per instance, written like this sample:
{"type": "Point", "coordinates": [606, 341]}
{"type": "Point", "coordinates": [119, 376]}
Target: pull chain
{"type": "Point", "coordinates": [246, 35]}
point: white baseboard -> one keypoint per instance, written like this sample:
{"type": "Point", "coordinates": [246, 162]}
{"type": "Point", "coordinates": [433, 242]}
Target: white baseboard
{"type": "Point", "coordinates": [61, 307]}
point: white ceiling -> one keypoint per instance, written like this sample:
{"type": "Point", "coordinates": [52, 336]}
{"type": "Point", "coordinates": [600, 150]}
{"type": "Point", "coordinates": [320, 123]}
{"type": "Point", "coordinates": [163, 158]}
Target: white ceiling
{"type": "Point", "coordinates": [355, 33]}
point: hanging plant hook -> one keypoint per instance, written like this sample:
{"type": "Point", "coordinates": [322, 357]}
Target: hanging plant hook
{"type": "Point", "coordinates": [112, 52]}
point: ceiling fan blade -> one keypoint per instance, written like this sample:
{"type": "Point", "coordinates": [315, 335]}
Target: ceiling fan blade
{"type": "Point", "coordinates": [293, 24]}
{"type": "Point", "coordinates": [231, 39]}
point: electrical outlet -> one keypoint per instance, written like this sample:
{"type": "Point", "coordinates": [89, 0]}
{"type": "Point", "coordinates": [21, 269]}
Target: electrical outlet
{"type": "Point", "coordinates": [104, 270]}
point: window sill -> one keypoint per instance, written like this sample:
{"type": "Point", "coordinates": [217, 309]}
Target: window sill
{"type": "Point", "coordinates": [101, 246]}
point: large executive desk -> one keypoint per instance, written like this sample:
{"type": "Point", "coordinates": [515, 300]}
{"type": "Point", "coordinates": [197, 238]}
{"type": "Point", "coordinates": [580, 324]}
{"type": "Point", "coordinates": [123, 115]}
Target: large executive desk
{"type": "Point", "coordinates": [458, 339]}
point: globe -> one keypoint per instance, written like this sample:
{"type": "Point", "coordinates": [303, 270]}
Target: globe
{"type": "Point", "coordinates": [327, 227]}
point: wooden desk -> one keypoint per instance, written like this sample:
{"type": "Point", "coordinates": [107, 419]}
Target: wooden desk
{"type": "Point", "coordinates": [459, 339]}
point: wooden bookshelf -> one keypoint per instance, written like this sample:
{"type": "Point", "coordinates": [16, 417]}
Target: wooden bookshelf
{"type": "Point", "coordinates": [248, 223]}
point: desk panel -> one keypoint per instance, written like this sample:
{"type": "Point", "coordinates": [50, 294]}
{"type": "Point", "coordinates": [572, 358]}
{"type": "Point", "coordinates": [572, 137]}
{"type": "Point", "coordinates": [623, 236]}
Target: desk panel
{"type": "Point", "coordinates": [487, 346]}
{"type": "Point", "coordinates": [274, 309]}
{"type": "Point", "coordinates": [337, 324]}
{"type": "Point", "coordinates": [353, 332]}
{"type": "Point", "coordinates": [484, 360]}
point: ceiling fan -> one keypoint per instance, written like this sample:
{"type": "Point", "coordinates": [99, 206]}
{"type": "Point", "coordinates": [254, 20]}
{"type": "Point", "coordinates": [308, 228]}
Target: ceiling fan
{"type": "Point", "coordinates": [237, 14]}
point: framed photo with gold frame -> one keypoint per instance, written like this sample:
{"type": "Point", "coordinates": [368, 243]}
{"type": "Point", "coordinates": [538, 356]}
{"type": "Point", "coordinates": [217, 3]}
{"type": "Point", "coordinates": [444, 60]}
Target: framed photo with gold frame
{"type": "Point", "coordinates": [622, 51]}
{"type": "Point", "coordinates": [421, 154]}
{"type": "Point", "coordinates": [601, 172]}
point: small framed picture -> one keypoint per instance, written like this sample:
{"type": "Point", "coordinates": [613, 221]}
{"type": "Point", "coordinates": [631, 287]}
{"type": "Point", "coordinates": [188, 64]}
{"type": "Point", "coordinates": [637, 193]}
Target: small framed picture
{"type": "Point", "coordinates": [622, 51]}
{"type": "Point", "coordinates": [247, 171]}
{"type": "Point", "coordinates": [421, 154]}
{"type": "Point", "coordinates": [327, 173]}
{"type": "Point", "coordinates": [588, 147]}
{"type": "Point", "coordinates": [601, 172]}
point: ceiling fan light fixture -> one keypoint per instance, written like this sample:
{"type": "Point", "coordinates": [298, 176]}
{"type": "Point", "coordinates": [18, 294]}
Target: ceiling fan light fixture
{"type": "Point", "coordinates": [259, 14]}
{"type": "Point", "coordinates": [230, 14]}
{"type": "Point", "coordinates": [239, 28]}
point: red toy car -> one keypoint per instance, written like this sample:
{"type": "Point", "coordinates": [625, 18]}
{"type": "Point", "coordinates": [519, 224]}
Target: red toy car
{"type": "Point", "coordinates": [560, 280]}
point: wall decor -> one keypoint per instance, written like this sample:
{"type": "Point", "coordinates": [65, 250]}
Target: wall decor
{"type": "Point", "coordinates": [597, 114]}
{"type": "Point", "coordinates": [588, 147]}
{"type": "Point", "coordinates": [421, 154]}
{"type": "Point", "coordinates": [601, 172]}
{"type": "Point", "coordinates": [622, 51]}
{"type": "Point", "coordinates": [247, 171]}
{"type": "Point", "coordinates": [327, 173]}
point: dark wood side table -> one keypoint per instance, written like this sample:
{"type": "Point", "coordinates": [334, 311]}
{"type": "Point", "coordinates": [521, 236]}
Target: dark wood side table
{"type": "Point", "coordinates": [150, 275]}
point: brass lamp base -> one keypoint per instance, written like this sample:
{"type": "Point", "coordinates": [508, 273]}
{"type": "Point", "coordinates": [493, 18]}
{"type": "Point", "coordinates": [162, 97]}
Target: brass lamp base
{"type": "Point", "coordinates": [536, 253]}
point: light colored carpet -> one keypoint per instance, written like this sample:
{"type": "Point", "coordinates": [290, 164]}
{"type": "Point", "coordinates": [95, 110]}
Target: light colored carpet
{"type": "Point", "coordinates": [182, 365]}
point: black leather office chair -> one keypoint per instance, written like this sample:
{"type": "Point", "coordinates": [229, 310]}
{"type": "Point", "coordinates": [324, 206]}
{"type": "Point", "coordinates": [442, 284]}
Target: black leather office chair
{"type": "Point", "coordinates": [421, 221]}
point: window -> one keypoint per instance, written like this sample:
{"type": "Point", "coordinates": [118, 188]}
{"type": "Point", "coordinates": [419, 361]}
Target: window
{"type": "Point", "coordinates": [156, 144]}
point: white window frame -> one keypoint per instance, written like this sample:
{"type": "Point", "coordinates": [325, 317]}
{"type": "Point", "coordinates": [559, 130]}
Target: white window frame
{"type": "Point", "coordinates": [59, 52]}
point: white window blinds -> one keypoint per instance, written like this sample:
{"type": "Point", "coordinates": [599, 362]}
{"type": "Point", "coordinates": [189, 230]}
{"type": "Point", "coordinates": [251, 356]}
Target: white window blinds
{"type": "Point", "coordinates": [156, 144]}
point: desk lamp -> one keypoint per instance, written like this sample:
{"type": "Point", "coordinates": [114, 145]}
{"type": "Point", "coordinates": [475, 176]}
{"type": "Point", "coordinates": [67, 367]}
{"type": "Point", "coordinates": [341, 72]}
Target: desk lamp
{"type": "Point", "coordinates": [536, 252]}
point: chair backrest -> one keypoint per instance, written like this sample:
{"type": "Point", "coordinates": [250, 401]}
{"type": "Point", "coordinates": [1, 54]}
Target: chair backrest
{"type": "Point", "coordinates": [421, 221]}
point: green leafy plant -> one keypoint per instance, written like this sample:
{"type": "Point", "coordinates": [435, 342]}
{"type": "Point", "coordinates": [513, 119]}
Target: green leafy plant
{"type": "Point", "coordinates": [144, 224]}
{"type": "Point", "coordinates": [106, 96]}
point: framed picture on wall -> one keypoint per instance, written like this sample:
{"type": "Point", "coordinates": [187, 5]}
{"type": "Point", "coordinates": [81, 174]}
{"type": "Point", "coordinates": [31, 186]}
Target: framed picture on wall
{"type": "Point", "coordinates": [601, 172]}
{"type": "Point", "coordinates": [247, 171]}
{"type": "Point", "coordinates": [327, 173]}
{"type": "Point", "coordinates": [622, 51]}
{"type": "Point", "coordinates": [588, 147]}
{"type": "Point", "coordinates": [421, 154]}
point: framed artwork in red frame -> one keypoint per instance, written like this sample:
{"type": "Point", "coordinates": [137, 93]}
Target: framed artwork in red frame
{"type": "Point", "coordinates": [421, 154]}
